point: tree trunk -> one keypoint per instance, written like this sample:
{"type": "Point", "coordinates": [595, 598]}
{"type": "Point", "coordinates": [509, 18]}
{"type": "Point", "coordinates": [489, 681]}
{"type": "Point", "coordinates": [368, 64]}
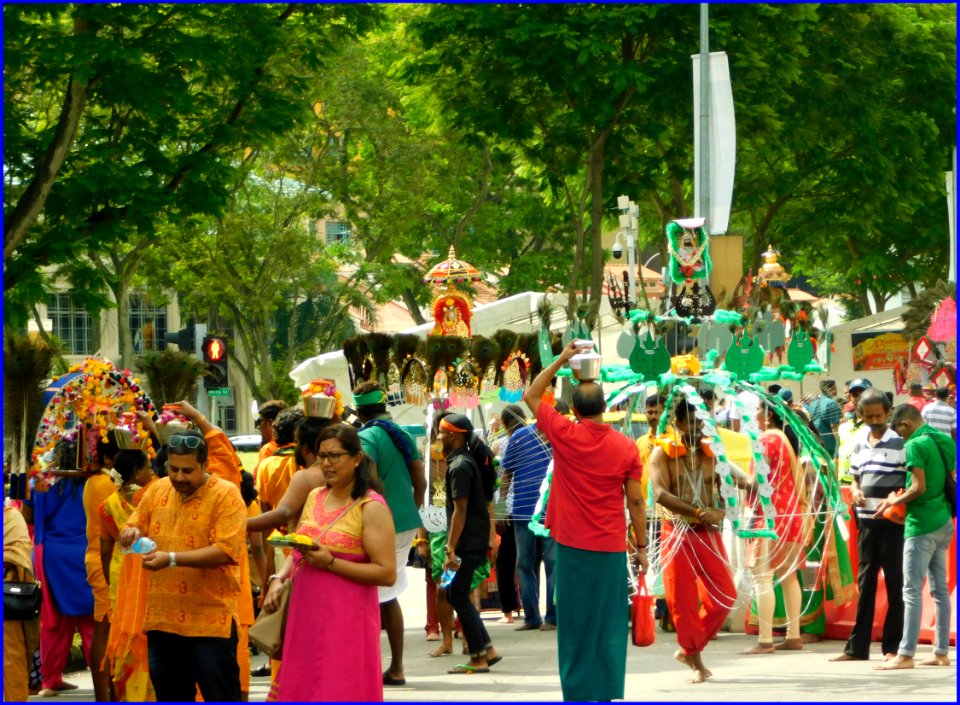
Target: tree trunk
{"type": "Point", "coordinates": [121, 291]}
{"type": "Point", "coordinates": [596, 227]}
{"type": "Point", "coordinates": [30, 204]}
{"type": "Point", "coordinates": [760, 233]}
{"type": "Point", "coordinates": [411, 301]}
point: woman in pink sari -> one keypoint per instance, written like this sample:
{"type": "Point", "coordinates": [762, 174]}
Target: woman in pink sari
{"type": "Point", "coordinates": [331, 648]}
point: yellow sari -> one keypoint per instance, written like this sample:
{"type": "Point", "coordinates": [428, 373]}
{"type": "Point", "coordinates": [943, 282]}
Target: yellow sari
{"type": "Point", "coordinates": [127, 647]}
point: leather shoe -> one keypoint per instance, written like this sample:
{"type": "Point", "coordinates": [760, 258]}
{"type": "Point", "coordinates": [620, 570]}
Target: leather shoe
{"type": "Point", "coordinates": [264, 670]}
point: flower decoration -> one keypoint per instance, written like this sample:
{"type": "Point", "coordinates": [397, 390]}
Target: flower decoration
{"type": "Point", "coordinates": [93, 396]}
{"type": "Point", "coordinates": [115, 476]}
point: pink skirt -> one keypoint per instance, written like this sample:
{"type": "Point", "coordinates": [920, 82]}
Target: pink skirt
{"type": "Point", "coordinates": [331, 648]}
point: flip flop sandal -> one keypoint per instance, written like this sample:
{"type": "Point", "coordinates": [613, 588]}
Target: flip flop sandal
{"type": "Point", "coordinates": [467, 668]}
{"type": "Point", "coordinates": [495, 660]}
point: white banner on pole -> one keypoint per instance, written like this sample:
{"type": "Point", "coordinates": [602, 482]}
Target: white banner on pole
{"type": "Point", "coordinates": [723, 141]}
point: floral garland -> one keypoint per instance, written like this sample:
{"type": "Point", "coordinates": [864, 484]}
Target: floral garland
{"type": "Point", "coordinates": [94, 401]}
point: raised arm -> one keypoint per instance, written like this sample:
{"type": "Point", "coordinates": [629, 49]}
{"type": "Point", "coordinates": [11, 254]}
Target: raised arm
{"type": "Point", "coordinates": [534, 394]}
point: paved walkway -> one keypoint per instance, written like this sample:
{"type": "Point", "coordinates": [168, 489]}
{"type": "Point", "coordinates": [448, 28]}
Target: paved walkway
{"type": "Point", "coordinates": [529, 671]}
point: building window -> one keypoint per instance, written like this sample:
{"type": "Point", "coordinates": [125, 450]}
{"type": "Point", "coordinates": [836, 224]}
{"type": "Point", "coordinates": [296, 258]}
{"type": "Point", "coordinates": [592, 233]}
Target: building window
{"type": "Point", "coordinates": [71, 324]}
{"type": "Point", "coordinates": [337, 231]}
{"type": "Point", "coordinates": [227, 417]}
{"type": "Point", "coordinates": [148, 323]}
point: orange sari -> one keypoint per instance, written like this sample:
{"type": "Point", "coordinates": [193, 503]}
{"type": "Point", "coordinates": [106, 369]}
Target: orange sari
{"type": "Point", "coordinates": [127, 647]}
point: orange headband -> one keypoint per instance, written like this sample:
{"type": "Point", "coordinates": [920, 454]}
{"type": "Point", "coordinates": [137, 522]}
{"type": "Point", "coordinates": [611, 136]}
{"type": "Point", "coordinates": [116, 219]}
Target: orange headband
{"type": "Point", "coordinates": [447, 426]}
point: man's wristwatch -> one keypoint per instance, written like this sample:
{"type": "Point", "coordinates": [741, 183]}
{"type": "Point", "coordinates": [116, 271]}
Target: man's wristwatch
{"type": "Point", "coordinates": [173, 560]}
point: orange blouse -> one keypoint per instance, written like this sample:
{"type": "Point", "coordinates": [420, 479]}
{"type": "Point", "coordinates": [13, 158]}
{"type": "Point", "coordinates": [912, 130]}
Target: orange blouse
{"type": "Point", "coordinates": [95, 493]}
{"type": "Point", "coordinates": [274, 477]}
{"type": "Point", "coordinates": [192, 601]}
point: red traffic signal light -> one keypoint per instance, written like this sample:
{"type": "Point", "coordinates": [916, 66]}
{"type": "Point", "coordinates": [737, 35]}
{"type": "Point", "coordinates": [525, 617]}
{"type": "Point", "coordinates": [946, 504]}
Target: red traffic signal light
{"type": "Point", "coordinates": [215, 356]}
{"type": "Point", "coordinates": [214, 350]}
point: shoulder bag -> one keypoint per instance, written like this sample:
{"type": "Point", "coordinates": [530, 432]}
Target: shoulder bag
{"type": "Point", "coordinates": [21, 601]}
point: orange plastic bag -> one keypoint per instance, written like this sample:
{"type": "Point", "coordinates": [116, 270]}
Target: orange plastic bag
{"type": "Point", "coordinates": [897, 513]}
{"type": "Point", "coordinates": [643, 622]}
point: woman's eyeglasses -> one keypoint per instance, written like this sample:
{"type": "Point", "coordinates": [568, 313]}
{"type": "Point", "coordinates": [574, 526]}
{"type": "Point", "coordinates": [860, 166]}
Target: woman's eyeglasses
{"type": "Point", "coordinates": [191, 442]}
{"type": "Point", "coordinates": [331, 457]}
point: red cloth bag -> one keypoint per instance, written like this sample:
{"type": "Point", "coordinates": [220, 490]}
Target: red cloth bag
{"type": "Point", "coordinates": [643, 622]}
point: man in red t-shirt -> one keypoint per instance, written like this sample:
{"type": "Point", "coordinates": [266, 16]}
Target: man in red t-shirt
{"type": "Point", "coordinates": [917, 398]}
{"type": "Point", "coordinates": [595, 467]}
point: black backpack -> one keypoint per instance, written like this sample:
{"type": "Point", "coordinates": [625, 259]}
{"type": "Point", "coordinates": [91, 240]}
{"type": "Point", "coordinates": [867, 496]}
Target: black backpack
{"type": "Point", "coordinates": [949, 482]}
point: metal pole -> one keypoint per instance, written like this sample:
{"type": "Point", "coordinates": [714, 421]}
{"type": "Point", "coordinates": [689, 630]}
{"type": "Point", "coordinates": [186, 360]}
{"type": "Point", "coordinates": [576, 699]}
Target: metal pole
{"type": "Point", "coordinates": [632, 252]}
{"type": "Point", "coordinates": [704, 205]}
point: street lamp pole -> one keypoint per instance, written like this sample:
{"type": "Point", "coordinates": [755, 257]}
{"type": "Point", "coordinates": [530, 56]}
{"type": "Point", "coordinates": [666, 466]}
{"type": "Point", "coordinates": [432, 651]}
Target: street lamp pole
{"type": "Point", "coordinates": [704, 205]}
{"type": "Point", "coordinates": [629, 213]}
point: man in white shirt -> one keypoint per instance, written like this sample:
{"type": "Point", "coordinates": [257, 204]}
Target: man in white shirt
{"type": "Point", "coordinates": [940, 415]}
{"type": "Point", "coordinates": [751, 404]}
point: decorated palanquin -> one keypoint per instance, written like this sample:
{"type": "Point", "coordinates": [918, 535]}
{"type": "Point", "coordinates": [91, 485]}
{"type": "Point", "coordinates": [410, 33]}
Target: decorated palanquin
{"type": "Point", "coordinates": [451, 309]}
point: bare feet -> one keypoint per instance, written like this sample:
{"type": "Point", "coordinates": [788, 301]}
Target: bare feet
{"type": "Point", "coordinates": [695, 663]}
{"type": "Point", "coordinates": [790, 645]}
{"type": "Point", "coordinates": [809, 638]}
{"type": "Point", "coordinates": [936, 660]}
{"type": "Point", "coordinates": [847, 657]}
{"type": "Point", "coordinates": [441, 650]}
{"type": "Point", "coordinates": [895, 664]}
{"type": "Point", "coordinates": [759, 648]}
{"type": "Point", "coordinates": [889, 657]}
{"type": "Point", "coordinates": [506, 619]}
{"type": "Point", "coordinates": [63, 685]}
{"type": "Point", "coordinates": [433, 636]}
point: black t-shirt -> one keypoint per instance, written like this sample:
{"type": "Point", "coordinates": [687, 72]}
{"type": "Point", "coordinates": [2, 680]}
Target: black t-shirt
{"type": "Point", "coordinates": [463, 480]}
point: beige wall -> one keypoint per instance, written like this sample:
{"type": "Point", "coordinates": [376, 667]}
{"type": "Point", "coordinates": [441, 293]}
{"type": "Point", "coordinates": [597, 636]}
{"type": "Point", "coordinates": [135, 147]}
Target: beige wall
{"type": "Point", "coordinates": [726, 252]}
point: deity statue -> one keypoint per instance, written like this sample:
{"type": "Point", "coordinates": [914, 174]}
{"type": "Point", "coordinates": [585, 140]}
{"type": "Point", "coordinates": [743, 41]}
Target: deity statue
{"type": "Point", "coordinates": [690, 266]}
{"type": "Point", "coordinates": [449, 318]}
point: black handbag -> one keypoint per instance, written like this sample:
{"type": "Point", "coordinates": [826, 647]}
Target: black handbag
{"type": "Point", "coordinates": [21, 601]}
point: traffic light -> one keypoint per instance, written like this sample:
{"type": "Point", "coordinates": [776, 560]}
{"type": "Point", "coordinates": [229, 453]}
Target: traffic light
{"type": "Point", "coordinates": [214, 352]}
{"type": "Point", "coordinates": [187, 339]}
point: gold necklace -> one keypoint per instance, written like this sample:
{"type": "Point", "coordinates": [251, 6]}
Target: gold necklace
{"type": "Point", "coordinates": [342, 503]}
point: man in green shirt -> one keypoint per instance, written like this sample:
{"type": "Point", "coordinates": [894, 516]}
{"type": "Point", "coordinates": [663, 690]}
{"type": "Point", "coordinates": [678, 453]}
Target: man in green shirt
{"type": "Point", "coordinates": [400, 470]}
{"type": "Point", "coordinates": [928, 533]}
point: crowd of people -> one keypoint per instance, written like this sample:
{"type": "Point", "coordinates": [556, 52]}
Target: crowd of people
{"type": "Point", "coordinates": [163, 566]}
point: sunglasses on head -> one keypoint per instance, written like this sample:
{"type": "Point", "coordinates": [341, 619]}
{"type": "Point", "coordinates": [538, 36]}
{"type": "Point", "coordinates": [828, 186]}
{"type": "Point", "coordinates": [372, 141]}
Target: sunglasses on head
{"type": "Point", "coordinates": [191, 442]}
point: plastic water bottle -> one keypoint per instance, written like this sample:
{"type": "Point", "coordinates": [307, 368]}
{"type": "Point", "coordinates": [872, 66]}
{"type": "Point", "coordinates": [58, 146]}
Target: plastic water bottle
{"type": "Point", "coordinates": [142, 545]}
{"type": "Point", "coordinates": [447, 577]}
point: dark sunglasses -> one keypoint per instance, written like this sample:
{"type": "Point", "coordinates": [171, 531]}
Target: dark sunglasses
{"type": "Point", "coordinates": [191, 442]}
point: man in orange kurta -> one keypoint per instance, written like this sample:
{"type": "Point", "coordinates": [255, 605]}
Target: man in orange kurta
{"type": "Point", "coordinates": [198, 521]}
